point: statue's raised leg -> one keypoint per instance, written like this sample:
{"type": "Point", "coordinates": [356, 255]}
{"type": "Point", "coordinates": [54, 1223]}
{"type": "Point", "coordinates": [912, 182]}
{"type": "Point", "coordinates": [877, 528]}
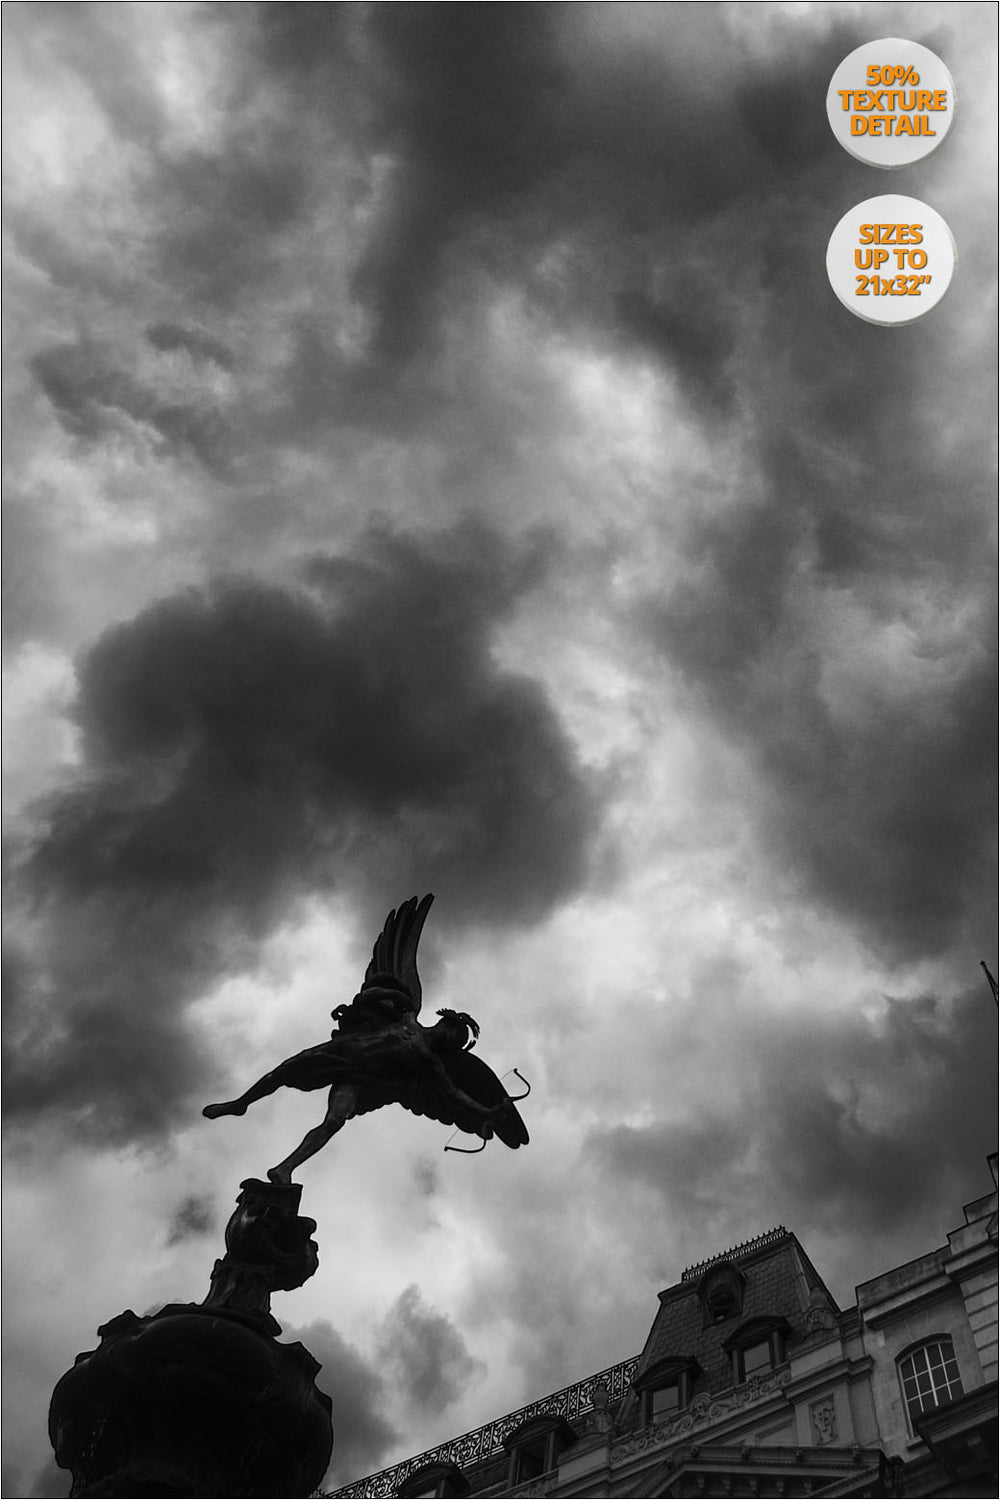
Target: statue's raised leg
{"type": "Point", "coordinates": [311, 1069]}
{"type": "Point", "coordinates": [269, 1084]}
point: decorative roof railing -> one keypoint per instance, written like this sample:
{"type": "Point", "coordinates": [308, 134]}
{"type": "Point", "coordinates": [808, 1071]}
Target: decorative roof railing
{"type": "Point", "coordinates": [487, 1442]}
{"type": "Point", "coordinates": [769, 1237]}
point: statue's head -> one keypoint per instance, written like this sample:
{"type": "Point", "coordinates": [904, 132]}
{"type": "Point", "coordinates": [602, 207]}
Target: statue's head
{"type": "Point", "coordinates": [463, 1025]}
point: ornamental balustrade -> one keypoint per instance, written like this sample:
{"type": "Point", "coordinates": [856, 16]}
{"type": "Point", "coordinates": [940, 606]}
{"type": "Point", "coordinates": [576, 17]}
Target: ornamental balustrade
{"type": "Point", "coordinates": [487, 1442]}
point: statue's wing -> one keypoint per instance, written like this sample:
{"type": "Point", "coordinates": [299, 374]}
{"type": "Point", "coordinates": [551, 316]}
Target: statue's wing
{"type": "Point", "coordinates": [422, 1096]}
{"type": "Point", "coordinates": [478, 1080]}
{"type": "Point", "coordinates": [395, 950]}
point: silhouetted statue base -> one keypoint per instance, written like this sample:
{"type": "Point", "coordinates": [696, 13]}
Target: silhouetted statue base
{"type": "Point", "coordinates": [200, 1400]}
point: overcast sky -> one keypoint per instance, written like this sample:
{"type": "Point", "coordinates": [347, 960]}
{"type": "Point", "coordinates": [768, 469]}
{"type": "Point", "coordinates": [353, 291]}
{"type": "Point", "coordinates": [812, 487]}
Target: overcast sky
{"type": "Point", "coordinates": [437, 462]}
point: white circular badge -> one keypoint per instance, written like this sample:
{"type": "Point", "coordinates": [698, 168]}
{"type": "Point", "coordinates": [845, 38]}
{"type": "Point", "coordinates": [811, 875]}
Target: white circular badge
{"type": "Point", "coordinates": [890, 259]}
{"type": "Point", "coordinates": [891, 102]}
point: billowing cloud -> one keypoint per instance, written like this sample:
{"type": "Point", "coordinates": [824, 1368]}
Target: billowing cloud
{"type": "Point", "coordinates": [867, 720]}
{"type": "Point", "coordinates": [249, 745]}
{"type": "Point", "coordinates": [425, 1353]}
{"type": "Point", "coordinates": [198, 344]}
{"type": "Point", "coordinates": [92, 399]}
{"type": "Point", "coordinates": [363, 1435]}
{"type": "Point", "coordinates": [194, 1216]}
{"type": "Point", "coordinates": [828, 1121]}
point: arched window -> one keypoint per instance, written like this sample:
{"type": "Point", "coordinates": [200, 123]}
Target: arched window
{"type": "Point", "coordinates": [929, 1376]}
{"type": "Point", "coordinates": [721, 1292]}
{"type": "Point", "coordinates": [434, 1480]}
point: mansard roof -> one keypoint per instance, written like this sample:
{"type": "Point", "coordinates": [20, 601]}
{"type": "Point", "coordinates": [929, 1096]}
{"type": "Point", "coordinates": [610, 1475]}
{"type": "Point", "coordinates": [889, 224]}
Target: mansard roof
{"type": "Point", "coordinates": [776, 1281]}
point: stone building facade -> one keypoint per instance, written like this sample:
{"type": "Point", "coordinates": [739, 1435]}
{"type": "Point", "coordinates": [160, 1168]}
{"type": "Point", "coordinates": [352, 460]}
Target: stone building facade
{"type": "Point", "coordinates": [752, 1382]}
{"type": "Point", "coordinates": [931, 1329]}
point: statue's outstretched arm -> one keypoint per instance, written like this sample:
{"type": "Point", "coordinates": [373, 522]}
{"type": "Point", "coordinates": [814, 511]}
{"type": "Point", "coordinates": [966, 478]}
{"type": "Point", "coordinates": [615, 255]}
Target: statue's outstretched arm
{"type": "Point", "coordinates": [457, 1096]}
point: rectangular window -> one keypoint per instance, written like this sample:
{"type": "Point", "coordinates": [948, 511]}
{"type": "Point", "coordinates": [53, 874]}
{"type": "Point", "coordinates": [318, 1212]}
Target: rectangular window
{"type": "Point", "coordinates": [532, 1460]}
{"type": "Point", "coordinates": [756, 1358]}
{"type": "Point", "coordinates": [665, 1401]}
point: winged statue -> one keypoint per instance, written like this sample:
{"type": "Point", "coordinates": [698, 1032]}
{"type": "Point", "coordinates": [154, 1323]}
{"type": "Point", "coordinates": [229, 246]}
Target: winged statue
{"type": "Point", "coordinates": [381, 1054]}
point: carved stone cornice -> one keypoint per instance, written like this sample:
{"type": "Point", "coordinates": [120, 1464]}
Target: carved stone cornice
{"type": "Point", "coordinates": [704, 1411]}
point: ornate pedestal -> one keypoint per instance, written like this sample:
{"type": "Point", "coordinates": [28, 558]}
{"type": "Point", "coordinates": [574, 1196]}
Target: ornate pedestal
{"type": "Point", "coordinates": [201, 1399]}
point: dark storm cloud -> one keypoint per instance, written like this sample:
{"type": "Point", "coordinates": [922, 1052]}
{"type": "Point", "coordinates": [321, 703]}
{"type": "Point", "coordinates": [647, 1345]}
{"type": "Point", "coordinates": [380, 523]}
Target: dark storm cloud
{"type": "Point", "coordinates": [497, 136]}
{"type": "Point", "coordinates": [884, 810]}
{"type": "Point", "coordinates": [238, 750]}
{"type": "Point", "coordinates": [888, 816]}
{"type": "Point", "coordinates": [684, 328]}
{"type": "Point", "coordinates": [90, 394]}
{"type": "Point", "coordinates": [502, 142]}
{"type": "Point", "coordinates": [507, 140]}
{"type": "Point", "coordinates": [425, 1353]}
{"type": "Point", "coordinates": [193, 341]}
{"type": "Point", "coordinates": [223, 233]}
{"type": "Point", "coordinates": [693, 227]}
{"type": "Point", "coordinates": [846, 1121]}
{"type": "Point", "coordinates": [437, 123]}
{"type": "Point", "coordinates": [227, 217]}
{"type": "Point", "coordinates": [363, 1436]}
{"type": "Point", "coordinates": [466, 108]}
{"type": "Point", "coordinates": [249, 745]}
{"type": "Point", "coordinates": [193, 1217]}
{"type": "Point", "coordinates": [213, 220]}
{"type": "Point", "coordinates": [690, 223]}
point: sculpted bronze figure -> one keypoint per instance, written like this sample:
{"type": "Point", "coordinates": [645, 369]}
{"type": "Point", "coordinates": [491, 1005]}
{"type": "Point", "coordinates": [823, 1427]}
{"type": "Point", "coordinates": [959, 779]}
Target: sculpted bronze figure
{"type": "Point", "coordinates": [380, 1054]}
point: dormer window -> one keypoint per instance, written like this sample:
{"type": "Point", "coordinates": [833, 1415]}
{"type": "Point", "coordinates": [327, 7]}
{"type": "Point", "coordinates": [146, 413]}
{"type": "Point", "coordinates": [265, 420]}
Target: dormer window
{"type": "Point", "coordinates": [434, 1480]}
{"type": "Point", "coordinates": [756, 1347]}
{"type": "Point", "coordinates": [722, 1302]}
{"type": "Point", "coordinates": [667, 1387]}
{"type": "Point", "coordinates": [721, 1293]}
{"type": "Point", "coordinates": [532, 1459]}
{"type": "Point", "coordinates": [535, 1447]}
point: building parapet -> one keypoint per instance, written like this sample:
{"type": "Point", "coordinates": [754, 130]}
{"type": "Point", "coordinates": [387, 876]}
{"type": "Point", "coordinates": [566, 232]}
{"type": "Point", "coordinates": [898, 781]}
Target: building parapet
{"type": "Point", "coordinates": [487, 1442]}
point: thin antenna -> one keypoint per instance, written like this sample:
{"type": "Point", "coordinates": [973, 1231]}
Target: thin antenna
{"type": "Point", "coordinates": [990, 981]}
